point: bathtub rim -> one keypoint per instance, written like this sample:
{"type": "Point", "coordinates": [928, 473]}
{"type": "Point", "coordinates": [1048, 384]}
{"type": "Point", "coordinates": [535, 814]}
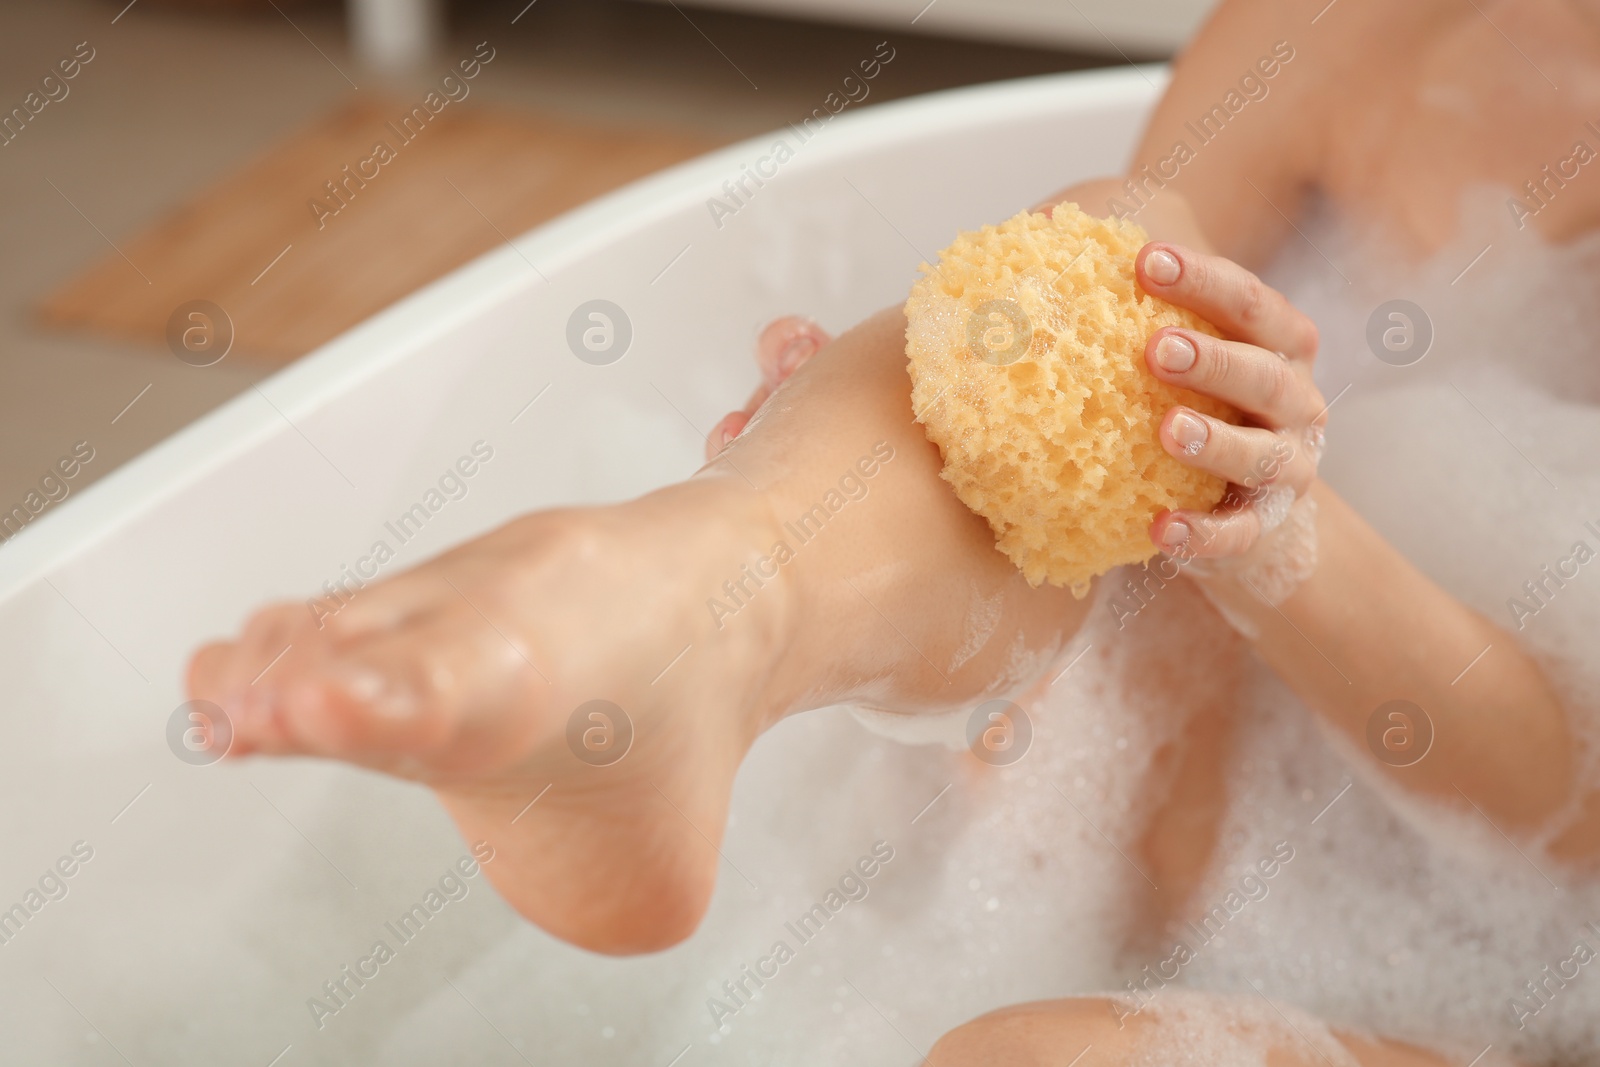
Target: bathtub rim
{"type": "Point", "coordinates": [197, 449]}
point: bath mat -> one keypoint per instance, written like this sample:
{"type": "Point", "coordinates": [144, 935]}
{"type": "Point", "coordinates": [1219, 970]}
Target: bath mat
{"type": "Point", "coordinates": [344, 218]}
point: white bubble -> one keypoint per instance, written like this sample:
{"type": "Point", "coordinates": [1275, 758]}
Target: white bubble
{"type": "Point", "coordinates": [1390, 916]}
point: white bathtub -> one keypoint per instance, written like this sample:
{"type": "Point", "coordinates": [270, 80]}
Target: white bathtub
{"type": "Point", "coordinates": [219, 898]}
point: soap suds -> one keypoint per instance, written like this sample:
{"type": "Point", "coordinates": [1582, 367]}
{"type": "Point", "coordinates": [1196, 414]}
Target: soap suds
{"type": "Point", "coordinates": [982, 619]}
{"type": "Point", "coordinates": [1008, 884]}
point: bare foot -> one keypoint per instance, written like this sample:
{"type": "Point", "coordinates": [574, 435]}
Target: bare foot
{"type": "Point", "coordinates": [476, 672]}
{"type": "Point", "coordinates": [465, 673]}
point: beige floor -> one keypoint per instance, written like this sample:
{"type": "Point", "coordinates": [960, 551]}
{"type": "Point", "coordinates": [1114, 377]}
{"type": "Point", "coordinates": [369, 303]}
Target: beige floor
{"type": "Point", "coordinates": [174, 100]}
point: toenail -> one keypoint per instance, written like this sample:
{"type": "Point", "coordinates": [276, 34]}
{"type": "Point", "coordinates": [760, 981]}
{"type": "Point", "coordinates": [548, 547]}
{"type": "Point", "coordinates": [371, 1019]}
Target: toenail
{"type": "Point", "coordinates": [240, 707]}
{"type": "Point", "coordinates": [1190, 432]}
{"type": "Point", "coordinates": [1174, 353]}
{"type": "Point", "coordinates": [1162, 267]}
{"type": "Point", "coordinates": [1176, 535]}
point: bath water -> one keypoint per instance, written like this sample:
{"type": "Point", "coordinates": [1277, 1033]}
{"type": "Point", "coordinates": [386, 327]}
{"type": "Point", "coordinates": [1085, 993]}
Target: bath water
{"type": "Point", "coordinates": [1015, 883]}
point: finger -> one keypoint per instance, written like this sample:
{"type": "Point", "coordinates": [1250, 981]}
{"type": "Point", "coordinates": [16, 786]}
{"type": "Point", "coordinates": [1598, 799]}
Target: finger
{"type": "Point", "coordinates": [785, 344]}
{"type": "Point", "coordinates": [1229, 297]}
{"type": "Point", "coordinates": [1243, 455]}
{"type": "Point", "coordinates": [1277, 392]}
{"type": "Point", "coordinates": [723, 433]}
{"type": "Point", "coordinates": [733, 423]}
{"type": "Point", "coordinates": [1047, 206]}
{"type": "Point", "coordinates": [1219, 534]}
{"type": "Point", "coordinates": [1097, 196]}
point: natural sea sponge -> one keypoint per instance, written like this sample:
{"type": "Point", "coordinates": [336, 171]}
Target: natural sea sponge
{"type": "Point", "coordinates": [1026, 348]}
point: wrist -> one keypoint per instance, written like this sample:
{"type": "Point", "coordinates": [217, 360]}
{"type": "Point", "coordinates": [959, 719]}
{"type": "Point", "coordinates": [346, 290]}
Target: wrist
{"type": "Point", "coordinates": [1246, 587]}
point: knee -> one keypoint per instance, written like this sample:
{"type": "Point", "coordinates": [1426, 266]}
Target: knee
{"type": "Point", "coordinates": [1048, 1033]}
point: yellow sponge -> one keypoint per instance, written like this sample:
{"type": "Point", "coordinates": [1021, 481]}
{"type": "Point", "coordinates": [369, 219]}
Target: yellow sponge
{"type": "Point", "coordinates": [1026, 347]}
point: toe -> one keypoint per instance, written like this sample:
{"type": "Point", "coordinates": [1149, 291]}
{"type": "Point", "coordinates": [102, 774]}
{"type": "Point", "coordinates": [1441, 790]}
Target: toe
{"type": "Point", "coordinates": [358, 607]}
{"type": "Point", "coordinates": [207, 674]}
{"type": "Point", "coordinates": [420, 700]}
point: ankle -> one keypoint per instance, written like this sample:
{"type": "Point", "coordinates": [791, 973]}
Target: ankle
{"type": "Point", "coordinates": [737, 595]}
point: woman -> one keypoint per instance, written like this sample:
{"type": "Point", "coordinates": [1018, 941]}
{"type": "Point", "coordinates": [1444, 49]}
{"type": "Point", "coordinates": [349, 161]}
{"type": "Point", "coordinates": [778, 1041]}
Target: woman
{"type": "Point", "coordinates": [465, 672]}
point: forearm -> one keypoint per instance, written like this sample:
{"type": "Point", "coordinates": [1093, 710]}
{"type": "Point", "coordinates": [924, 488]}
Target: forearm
{"type": "Point", "coordinates": [1367, 627]}
{"type": "Point", "coordinates": [1258, 57]}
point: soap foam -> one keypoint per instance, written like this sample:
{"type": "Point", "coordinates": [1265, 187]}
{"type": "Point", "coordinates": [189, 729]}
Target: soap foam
{"type": "Point", "coordinates": [1019, 883]}
{"type": "Point", "coordinates": [1403, 916]}
{"type": "Point", "coordinates": [1190, 1029]}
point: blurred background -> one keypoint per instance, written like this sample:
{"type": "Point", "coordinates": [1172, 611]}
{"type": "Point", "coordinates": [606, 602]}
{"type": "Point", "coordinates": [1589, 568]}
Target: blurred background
{"type": "Point", "coordinates": [162, 162]}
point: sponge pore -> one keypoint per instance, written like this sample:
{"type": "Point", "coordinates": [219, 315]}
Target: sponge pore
{"type": "Point", "coordinates": [1026, 348]}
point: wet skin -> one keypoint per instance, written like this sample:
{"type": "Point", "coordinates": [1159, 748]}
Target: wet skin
{"type": "Point", "coordinates": [462, 673]}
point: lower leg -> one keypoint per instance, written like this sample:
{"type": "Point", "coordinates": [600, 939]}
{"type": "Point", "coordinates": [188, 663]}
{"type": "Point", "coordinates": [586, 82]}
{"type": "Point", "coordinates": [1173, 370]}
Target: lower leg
{"type": "Point", "coordinates": [818, 560]}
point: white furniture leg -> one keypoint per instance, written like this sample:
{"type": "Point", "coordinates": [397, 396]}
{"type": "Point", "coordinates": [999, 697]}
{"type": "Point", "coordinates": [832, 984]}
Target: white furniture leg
{"type": "Point", "coordinates": [394, 34]}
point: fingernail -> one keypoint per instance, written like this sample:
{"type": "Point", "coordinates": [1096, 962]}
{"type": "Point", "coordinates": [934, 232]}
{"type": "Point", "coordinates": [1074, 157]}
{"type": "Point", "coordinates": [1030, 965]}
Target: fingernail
{"type": "Point", "coordinates": [1176, 535]}
{"type": "Point", "coordinates": [1190, 431]}
{"type": "Point", "coordinates": [1162, 267]}
{"type": "Point", "coordinates": [1174, 353]}
{"type": "Point", "coordinates": [796, 352]}
{"type": "Point", "coordinates": [724, 436]}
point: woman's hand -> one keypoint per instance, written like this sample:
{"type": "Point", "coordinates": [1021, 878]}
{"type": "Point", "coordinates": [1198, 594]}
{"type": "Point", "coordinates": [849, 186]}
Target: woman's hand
{"type": "Point", "coordinates": [1341, 616]}
{"type": "Point", "coordinates": [788, 342]}
{"type": "Point", "coordinates": [1262, 366]}
{"type": "Point", "coordinates": [783, 346]}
